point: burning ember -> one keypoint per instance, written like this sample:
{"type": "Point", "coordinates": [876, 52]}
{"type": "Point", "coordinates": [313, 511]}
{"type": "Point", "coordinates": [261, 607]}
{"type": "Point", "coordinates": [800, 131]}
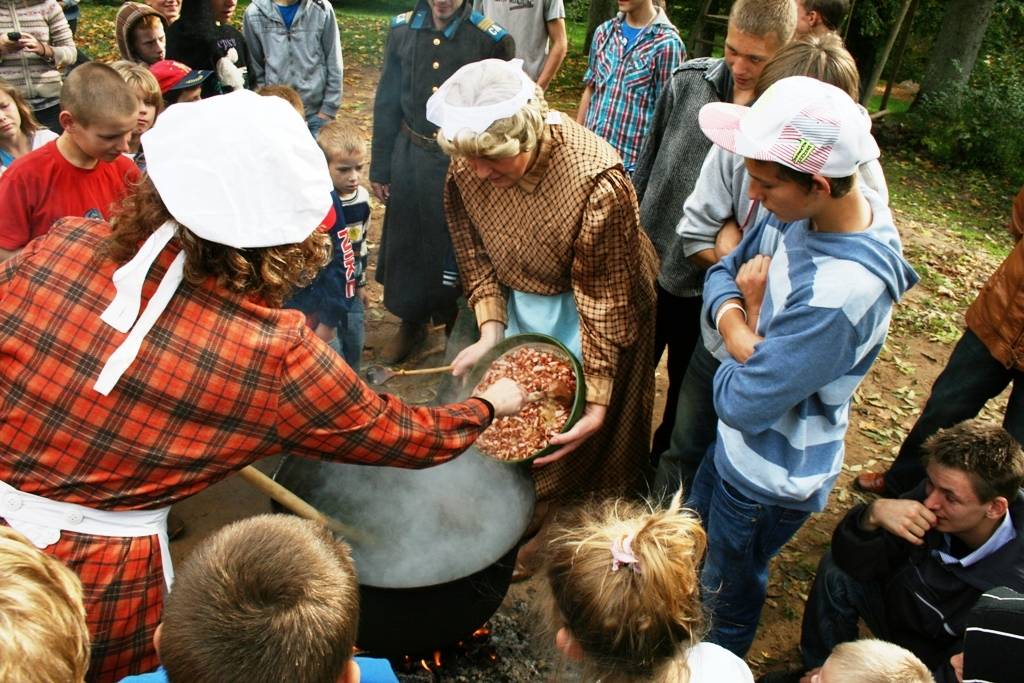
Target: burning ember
{"type": "Point", "coordinates": [477, 648]}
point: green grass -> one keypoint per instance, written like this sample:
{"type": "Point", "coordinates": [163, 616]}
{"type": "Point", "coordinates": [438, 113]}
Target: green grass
{"type": "Point", "coordinates": [973, 204]}
{"type": "Point", "coordinates": [895, 106]}
{"type": "Point", "coordinates": [564, 92]}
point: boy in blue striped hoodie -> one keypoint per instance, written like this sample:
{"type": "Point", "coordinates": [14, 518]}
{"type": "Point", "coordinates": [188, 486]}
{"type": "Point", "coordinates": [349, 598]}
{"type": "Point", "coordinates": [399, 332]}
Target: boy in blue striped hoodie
{"type": "Point", "coordinates": [797, 313]}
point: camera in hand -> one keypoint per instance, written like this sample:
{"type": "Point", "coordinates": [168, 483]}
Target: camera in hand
{"type": "Point", "coordinates": [13, 35]}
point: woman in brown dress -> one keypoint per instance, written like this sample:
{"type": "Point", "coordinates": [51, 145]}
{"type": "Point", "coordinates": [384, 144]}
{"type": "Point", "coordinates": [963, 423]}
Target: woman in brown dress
{"type": "Point", "coordinates": [546, 233]}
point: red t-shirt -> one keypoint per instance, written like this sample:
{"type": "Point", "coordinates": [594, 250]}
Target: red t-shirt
{"type": "Point", "coordinates": [43, 186]}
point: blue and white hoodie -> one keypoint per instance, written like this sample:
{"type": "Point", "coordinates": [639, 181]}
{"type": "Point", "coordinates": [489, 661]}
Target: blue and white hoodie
{"type": "Point", "coordinates": [826, 310]}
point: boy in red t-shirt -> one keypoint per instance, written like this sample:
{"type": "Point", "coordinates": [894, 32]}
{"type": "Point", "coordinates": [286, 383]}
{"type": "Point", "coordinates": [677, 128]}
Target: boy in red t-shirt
{"type": "Point", "coordinates": [82, 172]}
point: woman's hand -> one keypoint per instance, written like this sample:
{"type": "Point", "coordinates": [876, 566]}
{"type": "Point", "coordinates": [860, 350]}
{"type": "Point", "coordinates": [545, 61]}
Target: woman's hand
{"type": "Point", "coordinates": [29, 42]}
{"type": "Point", "coordinates": [593, 418]}
{"type": "Point", "coordinates": [491, 332]}
{"type": "Point", "coordinates": [8, 46]}
{"type": "Point", "coordinates": [505, 395]}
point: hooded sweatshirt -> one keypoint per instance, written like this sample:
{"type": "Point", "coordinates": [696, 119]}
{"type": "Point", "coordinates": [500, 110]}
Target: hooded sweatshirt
{"type": "Point", "coordinates": [129, 15]}
{"type": "Point", "coordinates": [826, 310]}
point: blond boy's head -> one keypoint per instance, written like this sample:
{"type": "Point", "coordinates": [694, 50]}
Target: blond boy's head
{"type": "Point", "coordinates": [142, 82]}
{"type": "Point", "coordinates": [147, 92]}
{"type": "Point", "coordinates": [345, 148]}
{"type": "Point", "coordinates": [872, 661]}
{"type": "Point", "coordinates": [269, 598]}
{"type": "Point", "coordinates": [756, 31]}
{"type": "Point", "coordinates": [769, 18]}
{"type": "Point", "coordinates": [43, 635]}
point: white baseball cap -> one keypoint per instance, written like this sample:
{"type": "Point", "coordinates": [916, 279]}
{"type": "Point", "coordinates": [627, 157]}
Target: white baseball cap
{"type": "Point", "coordinates": [799, 122]}
{"type": "Point", "coordinates": [238, 169]}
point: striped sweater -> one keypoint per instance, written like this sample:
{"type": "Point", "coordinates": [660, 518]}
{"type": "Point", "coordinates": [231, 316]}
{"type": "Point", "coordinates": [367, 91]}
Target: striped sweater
{"type": "Point", "coordinates": [36, 78]}
{"type": "Point", "coordinates": [826, 310]}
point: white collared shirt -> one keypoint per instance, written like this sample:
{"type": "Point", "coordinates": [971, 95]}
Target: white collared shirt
{"type": "Point", "coordinates": [1003, 534]}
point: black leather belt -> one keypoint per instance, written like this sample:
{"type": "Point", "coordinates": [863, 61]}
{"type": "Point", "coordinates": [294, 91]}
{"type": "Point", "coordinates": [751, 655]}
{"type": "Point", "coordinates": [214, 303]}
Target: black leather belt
{"type": "Point", "coordinates": [424, 141]}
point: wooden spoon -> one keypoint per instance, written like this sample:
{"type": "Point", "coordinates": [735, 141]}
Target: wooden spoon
{"type": "Point", "coordinates": [378, 374]}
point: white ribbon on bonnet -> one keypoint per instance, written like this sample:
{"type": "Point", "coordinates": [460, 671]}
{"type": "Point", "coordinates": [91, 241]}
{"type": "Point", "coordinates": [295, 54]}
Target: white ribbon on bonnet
{"type": "Point", "coordinates": [237, 169]}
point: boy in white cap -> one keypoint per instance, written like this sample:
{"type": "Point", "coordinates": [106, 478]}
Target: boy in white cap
{"type": "Point", "coordinates": [797, 314]}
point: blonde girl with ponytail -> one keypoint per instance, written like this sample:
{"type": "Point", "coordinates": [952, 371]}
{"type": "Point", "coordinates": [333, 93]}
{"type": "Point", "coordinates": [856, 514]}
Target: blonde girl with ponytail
{"type": "Point", "coordinates": [624, 595]}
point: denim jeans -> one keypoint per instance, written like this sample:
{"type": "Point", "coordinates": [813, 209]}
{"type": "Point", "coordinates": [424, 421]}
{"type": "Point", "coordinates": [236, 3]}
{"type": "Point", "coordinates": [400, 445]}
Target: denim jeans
{"type": "Point", "coordinates": [743, 537]}
{"type": "Point", "coordinates": [695, 425]}
{"type": "Point", "coordinates": [971, 377]}
{"type": "Point", "coordinates": [351, 335]}
{"type": "Point", "coordinates": [835, 603]}
{"type": "Point", "coordinates": [315, 123]}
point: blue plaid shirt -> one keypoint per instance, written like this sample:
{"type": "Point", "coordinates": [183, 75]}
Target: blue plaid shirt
{"type": "Point", "coordinates": [627, 82]}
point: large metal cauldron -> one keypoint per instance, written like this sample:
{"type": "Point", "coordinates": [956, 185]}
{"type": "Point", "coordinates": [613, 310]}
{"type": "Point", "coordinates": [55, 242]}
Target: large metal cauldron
{"type": "Point", "coordinates": [440, 543]}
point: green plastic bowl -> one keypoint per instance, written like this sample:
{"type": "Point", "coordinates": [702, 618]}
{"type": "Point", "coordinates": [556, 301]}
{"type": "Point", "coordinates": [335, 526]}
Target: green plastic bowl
{"type": "Point", "coordinates": [540, 342]}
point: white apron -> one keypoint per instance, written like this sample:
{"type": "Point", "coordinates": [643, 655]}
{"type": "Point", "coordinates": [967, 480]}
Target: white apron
{"type": "Point", "coordinates": [41, 520]}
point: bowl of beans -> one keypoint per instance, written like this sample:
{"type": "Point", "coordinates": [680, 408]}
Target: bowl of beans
{"type": "Point", "coordinates": [552, 378]}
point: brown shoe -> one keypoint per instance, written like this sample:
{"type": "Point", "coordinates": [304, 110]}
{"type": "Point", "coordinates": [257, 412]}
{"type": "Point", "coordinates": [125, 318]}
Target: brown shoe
{"type": "Point", "coordinates": [405, 341]}
{"type": "Point", "coordinates": [871, 482]}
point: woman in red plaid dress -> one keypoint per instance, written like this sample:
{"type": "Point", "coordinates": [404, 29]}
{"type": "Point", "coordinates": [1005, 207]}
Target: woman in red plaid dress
{"type": "Point", "coordinates": [100, 432]}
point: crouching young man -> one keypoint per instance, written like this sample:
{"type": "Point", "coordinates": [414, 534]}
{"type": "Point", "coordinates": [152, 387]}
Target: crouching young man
{"type": "Point", "coordinates": [914, 567]}
{"type": "Point", "coordinates": [802, 306]}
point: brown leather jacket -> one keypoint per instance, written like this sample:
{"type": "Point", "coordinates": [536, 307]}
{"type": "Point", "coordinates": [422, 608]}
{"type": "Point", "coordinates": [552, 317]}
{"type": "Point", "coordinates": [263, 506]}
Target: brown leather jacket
{"type": "Point", "coordinates": [997, 315]}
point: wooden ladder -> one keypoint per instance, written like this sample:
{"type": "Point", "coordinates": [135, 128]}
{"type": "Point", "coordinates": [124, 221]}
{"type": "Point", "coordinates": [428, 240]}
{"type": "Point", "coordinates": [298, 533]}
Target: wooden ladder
{"type": "Point", "coordinates": [708, 20]}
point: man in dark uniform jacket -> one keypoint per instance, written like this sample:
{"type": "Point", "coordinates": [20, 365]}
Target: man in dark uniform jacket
{"type": "Point", "coordinates": [407, 168]}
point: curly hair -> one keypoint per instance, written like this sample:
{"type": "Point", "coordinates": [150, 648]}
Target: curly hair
{"type": "Point", "coordinates": [631, 625]}
{"type": "Point", "coordinates": [269, 273]}
{"type": "Point", "coordinates": [986, 452]}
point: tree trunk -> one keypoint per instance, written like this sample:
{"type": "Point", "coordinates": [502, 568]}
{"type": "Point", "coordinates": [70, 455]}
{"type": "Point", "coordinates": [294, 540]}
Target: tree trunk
{"type": "Point", "coordinates": [956, 47]}
{"type": "Point", "coordinates": [600, 11]}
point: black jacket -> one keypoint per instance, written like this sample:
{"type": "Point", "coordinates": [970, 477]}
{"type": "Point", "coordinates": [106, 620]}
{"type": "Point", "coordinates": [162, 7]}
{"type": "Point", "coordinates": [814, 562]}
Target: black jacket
{"type": "Point", "coordinates": [926, 601]}
{"type": "Point", "coordinates": [417, 60]}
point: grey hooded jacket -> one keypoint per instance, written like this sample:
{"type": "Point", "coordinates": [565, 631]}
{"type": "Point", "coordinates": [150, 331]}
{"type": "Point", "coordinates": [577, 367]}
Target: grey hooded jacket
{"type": "Point", "coordinates": [306, 56]}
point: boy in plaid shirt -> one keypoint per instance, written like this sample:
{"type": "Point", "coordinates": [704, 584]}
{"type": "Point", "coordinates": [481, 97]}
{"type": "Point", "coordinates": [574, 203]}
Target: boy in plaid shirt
{"type": "Point", "coordinates": [631, 59]}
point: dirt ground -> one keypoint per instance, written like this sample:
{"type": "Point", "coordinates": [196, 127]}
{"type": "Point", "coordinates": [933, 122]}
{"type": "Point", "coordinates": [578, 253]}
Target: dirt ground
{"type": "Point", "coordinates": [884, 409]}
